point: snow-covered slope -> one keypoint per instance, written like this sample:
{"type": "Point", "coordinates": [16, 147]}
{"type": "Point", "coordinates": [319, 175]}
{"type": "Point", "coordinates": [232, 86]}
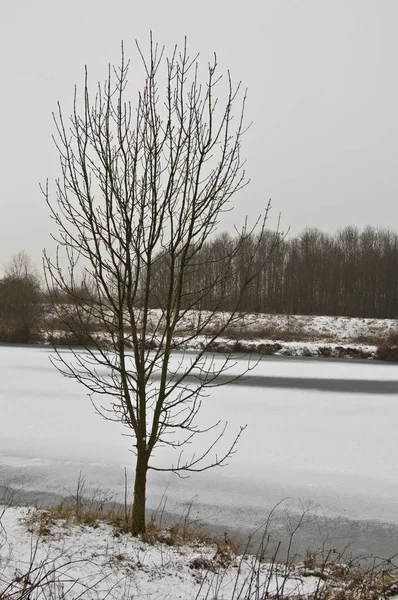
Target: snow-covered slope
{"type": "Point", "coordinates": [67, 561]}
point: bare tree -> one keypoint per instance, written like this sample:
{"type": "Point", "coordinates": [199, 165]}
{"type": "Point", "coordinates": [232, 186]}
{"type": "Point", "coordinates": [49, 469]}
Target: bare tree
{"type": "Point", "coordinates": [20, 300]}
{"type": "Point", "coordinates": [141, 191]}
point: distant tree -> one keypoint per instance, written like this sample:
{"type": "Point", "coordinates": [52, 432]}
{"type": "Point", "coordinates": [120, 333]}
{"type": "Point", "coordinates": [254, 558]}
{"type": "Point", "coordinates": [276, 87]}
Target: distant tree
{"type": "Point", "coordinates": [141, 193]}
{"type": "Point", "coordinates": [20, 301]}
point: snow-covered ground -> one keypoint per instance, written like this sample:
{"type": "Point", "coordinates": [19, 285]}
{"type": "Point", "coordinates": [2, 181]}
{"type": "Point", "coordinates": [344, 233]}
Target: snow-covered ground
{"type": "Point", "coordinates": [76, 561]}
{"type": "Point", "coordinates": [343, 329]}
{"type": "Point", "coordinates": [43, 557]}
{"type": "Point", "coordinates": [339, 329]}
{"type": "Point", "coordinates": [319, 327]}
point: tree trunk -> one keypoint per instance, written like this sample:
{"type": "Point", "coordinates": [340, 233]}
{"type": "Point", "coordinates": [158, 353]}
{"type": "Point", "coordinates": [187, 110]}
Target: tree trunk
{"type": "Point", "coordinates": [139, 503]}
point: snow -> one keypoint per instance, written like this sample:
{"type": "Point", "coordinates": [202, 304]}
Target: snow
{"type": "Point", "coordinates": [325, 327]}
{"type": "Point", "coordinates": [337, 328]}
{"type": "Point", "coordinates": [76, 561]}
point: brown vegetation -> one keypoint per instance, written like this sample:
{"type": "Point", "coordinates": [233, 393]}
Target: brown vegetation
{"type": "Point", "coordinates": [387, 348]}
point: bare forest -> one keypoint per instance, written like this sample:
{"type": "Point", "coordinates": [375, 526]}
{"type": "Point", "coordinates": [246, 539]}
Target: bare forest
{"type": "Point", "coordinates": [350, 273]}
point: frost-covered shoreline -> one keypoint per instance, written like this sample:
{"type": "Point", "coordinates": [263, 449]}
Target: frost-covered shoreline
{"type": "Point", "coordinates": [267, 334]}
{"type": "Point", "coordinates": [69, 560]}
{"type": "Point", "coordinates": [43, 557]}
{"type": "Point", "coordinates": [268, 347]}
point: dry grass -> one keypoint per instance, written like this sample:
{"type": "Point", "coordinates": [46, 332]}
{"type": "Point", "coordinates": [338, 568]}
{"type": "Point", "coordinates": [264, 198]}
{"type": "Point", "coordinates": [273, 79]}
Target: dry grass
{"type": "Point", "coordinates": [365, 578]}
{"type": "Point", "coordinates": [100, 507]}
{"type": "Point", "coordinates": [371, 339]}
{"type": "Point", "coordinates": [274, 332]}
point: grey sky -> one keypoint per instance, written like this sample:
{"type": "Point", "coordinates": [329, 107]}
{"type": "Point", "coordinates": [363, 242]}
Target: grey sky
{"type": "Point", "coordinates": [323, 96]}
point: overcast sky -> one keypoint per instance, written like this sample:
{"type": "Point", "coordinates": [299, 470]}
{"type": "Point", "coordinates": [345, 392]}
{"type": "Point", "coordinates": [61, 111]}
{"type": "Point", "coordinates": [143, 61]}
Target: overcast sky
{"type": "Point", "coordinates": [323, 97]}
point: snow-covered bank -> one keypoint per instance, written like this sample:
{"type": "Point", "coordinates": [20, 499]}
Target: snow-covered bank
{"type": "Point", "coordinates": [69, 561]}
{"type": "Point", "coordinates": [268, 334]}
{"type": "Point", "coordinates": [42, 557]}
{"type": "Point", "coordinates": [282, 348]}
{"type": "Point", "coordinates": [295, 335]}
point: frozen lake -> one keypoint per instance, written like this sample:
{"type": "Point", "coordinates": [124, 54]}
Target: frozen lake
{"type": "Point", "coordinates": [319, 431]}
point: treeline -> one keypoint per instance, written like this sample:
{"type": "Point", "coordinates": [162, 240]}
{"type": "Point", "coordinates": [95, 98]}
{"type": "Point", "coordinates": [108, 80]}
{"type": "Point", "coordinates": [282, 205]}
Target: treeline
{"type": "Point", "coordinates": [350, 273]}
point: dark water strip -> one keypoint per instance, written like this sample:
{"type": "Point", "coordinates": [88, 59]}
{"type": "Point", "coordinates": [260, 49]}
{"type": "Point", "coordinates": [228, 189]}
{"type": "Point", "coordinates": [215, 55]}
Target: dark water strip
{"type": "Point", "coordinates": [356, 386]}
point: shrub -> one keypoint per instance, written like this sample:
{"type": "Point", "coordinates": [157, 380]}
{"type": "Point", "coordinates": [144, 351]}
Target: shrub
{"type": "Point", "coordinates": [388, 347]}
{"type": "Point", "coordinates": [75, 339]}
{"type": "Point", "coordinates": [269, 349]}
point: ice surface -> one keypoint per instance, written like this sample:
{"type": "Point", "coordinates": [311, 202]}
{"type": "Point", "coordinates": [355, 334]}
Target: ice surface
{"type": "Point", "coordinates": [337, 450]}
